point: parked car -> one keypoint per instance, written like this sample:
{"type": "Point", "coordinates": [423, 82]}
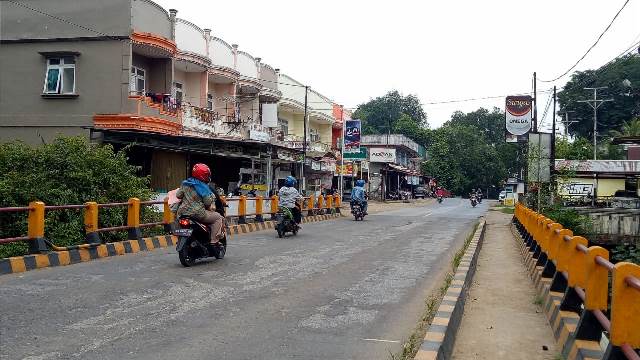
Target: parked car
{"type": "Point", "coordinates": [420, 192]}
{"type": "Point", "coordinates": [502, 196]}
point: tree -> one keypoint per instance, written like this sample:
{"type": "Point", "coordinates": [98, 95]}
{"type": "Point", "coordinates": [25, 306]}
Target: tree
{"type": "Point", "coordinates": [622, 77]}
{"type": "Point", "coordinates": [406, 126]}
{"type": "Point", "coordinates": [630, 128]}
{"type": "Point", "coordinates": [380, 115]}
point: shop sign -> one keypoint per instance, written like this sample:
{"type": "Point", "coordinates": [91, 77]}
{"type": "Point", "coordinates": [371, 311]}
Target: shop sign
{"type": "Point", "coordinates": [259, 135]}
{"type": "Point", "coordinates": [382, 155]}
{"type": "Point", "coordinates": [361, 155]}
{"type": "Point", "coordinates": [315, 165]}
{"type": "Point", "coordinates": [352, 136]}
{"type": "Point", "coordinates": [518, 115]}
{"type": "Point", "coordinates": [346, 169]}
{"type": "Point", "coordinates": [289, 156]}
{"type": "Point", "coordinates": [259, 187]}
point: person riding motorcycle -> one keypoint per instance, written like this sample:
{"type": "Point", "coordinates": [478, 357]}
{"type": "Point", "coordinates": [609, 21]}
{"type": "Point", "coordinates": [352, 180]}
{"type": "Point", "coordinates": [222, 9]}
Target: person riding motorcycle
{"type": "Point", "coordinates": [197, 201]}
{"type": "Point", "coordinates": [288, 195]}
{"type": "Point", "coordinates": [440, 192]}
{"type": "Point", "coordinates": [358, 195]}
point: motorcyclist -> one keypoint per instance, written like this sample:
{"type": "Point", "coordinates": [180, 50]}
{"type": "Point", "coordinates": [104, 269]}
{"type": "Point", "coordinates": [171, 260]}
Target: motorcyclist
{"type": "Point", "coordinates": [287, 197]}
{"type": "Point", "coordinates": [440, 192]}
{"type": "Point", "coordinates": [197, 201]}
{"type": "Point", "coordinates": [358, 195]}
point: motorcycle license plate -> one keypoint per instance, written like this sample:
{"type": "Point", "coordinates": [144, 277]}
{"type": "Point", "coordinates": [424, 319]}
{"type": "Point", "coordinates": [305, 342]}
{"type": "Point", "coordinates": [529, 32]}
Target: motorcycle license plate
{"type": "Point", "coordinates": [182, 232]}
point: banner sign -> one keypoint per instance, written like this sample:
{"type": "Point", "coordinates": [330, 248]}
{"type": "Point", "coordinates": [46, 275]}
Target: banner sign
{"type": "Point", "coordinates": [347, 169]}
{"type": "Point", "coordinates": [259, 135]}
{"type": "Point", "coordinates": [518, 115]}
{"type": "Point", "coordinates": [270, 115]}
{"type": "Point", "coordinates": [352, 136]}
{"type": "Point", "coordinates": [382, 155]}
{"type": "Point", "coordinates": [361, 155]}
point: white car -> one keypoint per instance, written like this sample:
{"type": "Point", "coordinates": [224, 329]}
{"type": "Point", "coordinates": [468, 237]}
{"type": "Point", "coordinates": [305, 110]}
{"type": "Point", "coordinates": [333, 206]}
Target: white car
{"type": "Point", "coordinates": [502, 196]}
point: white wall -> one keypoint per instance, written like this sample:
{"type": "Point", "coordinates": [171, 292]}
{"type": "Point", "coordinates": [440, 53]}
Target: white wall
{"type": "Point", "coordinates": [320, 103]}
{"type": "Point", "coordinates": [190, 86]}
{"type": "Point", "coordinates": [289, 91]}
{"type": "Point", "coordinates": [221, 53]}
{"type": "Point", "coordinates": [190, 38]}
{"type": "Point", "coordinates": [247, 65]}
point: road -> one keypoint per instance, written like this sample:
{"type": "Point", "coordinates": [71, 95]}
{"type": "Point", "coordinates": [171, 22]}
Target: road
{"type": "Point", "coordinates": [339, 290]}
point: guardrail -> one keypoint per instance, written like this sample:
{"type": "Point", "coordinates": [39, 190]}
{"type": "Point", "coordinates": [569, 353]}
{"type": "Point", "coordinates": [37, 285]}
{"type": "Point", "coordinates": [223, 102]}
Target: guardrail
{"type": "Point", "coordinates": [244, 208]}
{"type": "Point", "coordinates": [583, 273]}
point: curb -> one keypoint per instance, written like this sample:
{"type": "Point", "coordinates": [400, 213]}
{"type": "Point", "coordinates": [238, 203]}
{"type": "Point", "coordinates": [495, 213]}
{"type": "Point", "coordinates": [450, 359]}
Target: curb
{"type": "Point", "coordinates": [86, 252]}
{"type": "Point", "coordinates": [439, 339]}
{"type": "Point", "coordinates": [563, 323]}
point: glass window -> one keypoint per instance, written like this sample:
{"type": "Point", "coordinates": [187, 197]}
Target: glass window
{"type": "Point", "coordinates": [209, 101]}
{"type": "Point", "coordinates": [284, 126]}
{"type": "Point", "coordinates": [60, 77]}
{"type": "Point", "coordinates": [178, 91]}
{"type": "Point", "coordinates": [137, 81]}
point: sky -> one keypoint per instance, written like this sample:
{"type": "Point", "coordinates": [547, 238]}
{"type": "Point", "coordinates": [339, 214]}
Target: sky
{"type": "Point", "coordinates": [356, 50]}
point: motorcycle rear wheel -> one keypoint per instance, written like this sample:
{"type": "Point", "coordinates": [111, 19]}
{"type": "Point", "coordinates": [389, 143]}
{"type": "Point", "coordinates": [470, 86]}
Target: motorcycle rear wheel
{"type": "Point", "coordinates": [185, 258]}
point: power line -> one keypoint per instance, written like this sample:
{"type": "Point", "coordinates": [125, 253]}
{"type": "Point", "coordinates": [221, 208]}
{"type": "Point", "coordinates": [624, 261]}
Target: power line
{"type": "Point", "coordinates": [482, 98]}
{"type": "Point", "coordinates": [592, 46]}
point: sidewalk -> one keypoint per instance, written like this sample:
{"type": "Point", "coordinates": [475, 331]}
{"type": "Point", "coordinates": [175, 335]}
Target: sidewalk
{"type": "Point", "coordinates": [501, 317]}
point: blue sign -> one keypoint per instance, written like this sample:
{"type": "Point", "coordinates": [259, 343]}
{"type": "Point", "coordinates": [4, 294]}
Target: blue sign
{"type": "Point", "coordinates": [352, 136]}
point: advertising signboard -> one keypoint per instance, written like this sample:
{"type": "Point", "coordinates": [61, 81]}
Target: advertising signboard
{"type": "Point", "coordinates": [352, 136]}
{"type": "Point", "coordinates": [518, 115]}
{"type": "Point", "coordinates": [382, 155]}
{"type": "Point", "coordinates": [361, 155]}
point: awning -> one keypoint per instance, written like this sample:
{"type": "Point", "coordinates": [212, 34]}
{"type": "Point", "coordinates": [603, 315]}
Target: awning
{"type": "Point", "coordinates": [405, 170]}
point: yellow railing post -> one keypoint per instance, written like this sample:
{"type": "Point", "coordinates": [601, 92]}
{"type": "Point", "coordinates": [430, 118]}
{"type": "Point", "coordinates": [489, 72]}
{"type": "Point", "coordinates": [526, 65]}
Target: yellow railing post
{"type": "Point", "coordinates": [320, 203]}
{"type": "Point", "coordinates": [310, 205]}
{"type": "Point", "coordinates": [259, 205]}
{"type": "Point", "coordinates": [338, 201]}
{"type": "Point", "coordinates": [91, 223]}
{"type": "Point", "coordinates": [576, 262]}
{"type": "Point", "coordinates": [242, 210]}
{"type": "Point", "coordinates": [597, 280]}
{"type": "Point", "coordinates": [330, 204]}
{"type": "Point", "coordinates": [274, 206]}
{"type": "Point", "coordinates": [167, 215]}
{"type": "Point", "coordinates": [625, 306]}
{"type": "Point", "coordinates": [35, 227]}
{"type": "Point", "coordinates": [133, 219]}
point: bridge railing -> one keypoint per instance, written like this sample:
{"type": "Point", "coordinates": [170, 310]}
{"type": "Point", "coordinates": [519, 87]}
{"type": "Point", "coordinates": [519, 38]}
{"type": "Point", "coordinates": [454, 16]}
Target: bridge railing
{"type": "Point", "coordinates": [587, 278]}
{"type": "Point", "coordinates": [241, 209]}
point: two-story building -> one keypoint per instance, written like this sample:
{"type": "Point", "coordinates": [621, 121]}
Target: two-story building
{"type": "Point", "coordinates": [129, 72]}
{"type": "Point", "coordinates": [394, 163]}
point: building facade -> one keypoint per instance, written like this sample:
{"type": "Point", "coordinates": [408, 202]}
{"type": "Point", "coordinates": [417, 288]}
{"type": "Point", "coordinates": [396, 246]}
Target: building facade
{"type": "Point", "coordinates": [139, 75]}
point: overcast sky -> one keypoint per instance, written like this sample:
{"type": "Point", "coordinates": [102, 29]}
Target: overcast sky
{"type": "Point", "coordinates": [354, 50]}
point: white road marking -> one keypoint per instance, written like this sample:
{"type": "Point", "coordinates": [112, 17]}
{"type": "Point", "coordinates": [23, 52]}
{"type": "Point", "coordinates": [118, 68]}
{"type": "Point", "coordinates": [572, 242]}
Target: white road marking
{"type": "Point", "coordinates": [425, 215]}
{"type": "Point", "coordinates": [382, 340]}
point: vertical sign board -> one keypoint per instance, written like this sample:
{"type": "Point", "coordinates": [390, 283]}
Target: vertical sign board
{"type": "Point", "coordinates": [518, 114]}
{"type": "Point", "coordinates": [382, 155]}
{"type": "Point", "coordinates": [352, 136]}
{"type": "Point", "coordinates": [538, 156]}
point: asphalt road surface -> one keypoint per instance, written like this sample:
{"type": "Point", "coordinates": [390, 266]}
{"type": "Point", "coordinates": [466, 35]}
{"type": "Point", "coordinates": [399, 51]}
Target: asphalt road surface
{"type": "Point", "coordinates": [339, 290]}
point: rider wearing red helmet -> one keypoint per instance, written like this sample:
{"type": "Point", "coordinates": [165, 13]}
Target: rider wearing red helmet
{"type": "Point", "coordinates": [197, 200]}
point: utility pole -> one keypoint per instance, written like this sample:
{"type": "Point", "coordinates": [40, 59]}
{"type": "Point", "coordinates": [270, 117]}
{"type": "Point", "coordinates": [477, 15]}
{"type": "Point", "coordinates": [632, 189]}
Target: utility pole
{"type": "Point", "coordinates": [304, 139]}
{"type": "Point", "coordinates": [341, 185]}
{"type": "Point", "coordinates": [552, 161]}
{"type": "Point", "coordinates": [535, 103]}
{"type": "Point", "coordinates": [595, 103]}
{"type": "Point", "coordinates": [566, 123]}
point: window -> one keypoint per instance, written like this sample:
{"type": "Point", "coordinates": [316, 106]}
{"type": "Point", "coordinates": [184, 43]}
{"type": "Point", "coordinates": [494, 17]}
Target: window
{"type": "Point", "coordinates": [177, 88]}
{"type": "Point", "coordinates": [210, 101]}
{"type": "Point", "coordinates": [61, 76]}
{"type": "Point", "coordinates": [314, 135]}
{"type": "Point", "coordinates": [284, 126]}
{"type": "Point", "coordinates": [137, 81]}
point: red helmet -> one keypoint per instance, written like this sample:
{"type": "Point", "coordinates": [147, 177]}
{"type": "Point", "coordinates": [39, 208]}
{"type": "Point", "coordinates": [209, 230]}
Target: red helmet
{"type": "Point", "coordinates": [201, 172]}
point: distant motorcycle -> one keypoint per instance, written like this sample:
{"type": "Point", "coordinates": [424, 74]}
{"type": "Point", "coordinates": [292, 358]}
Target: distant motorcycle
{"type": "Point", "coordinates": [194, 242]}
{"type": "Point", "coordinates": [474, 201]}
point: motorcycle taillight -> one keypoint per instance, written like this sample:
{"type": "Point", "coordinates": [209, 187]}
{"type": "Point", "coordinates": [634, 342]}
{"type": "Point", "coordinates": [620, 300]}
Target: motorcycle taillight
{"type": "Point", "coordinates": [184, 222]}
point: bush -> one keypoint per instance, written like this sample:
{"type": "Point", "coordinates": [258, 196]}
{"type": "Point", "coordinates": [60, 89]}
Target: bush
{"type": "Point", "coordinates": [570, 219]}
{"type": "Point", "coordinates": [69, 170]}
{"type": "Point", "coordinates": [626, 252]}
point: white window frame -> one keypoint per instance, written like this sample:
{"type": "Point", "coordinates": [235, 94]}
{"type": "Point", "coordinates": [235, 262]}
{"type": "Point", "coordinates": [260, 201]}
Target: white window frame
{"type": "Point", "coordinates": [314, 135]}
{"type": "Point", "coordinates": [61, 66]}
{"type": "Point", "coordinates": [133, 75]}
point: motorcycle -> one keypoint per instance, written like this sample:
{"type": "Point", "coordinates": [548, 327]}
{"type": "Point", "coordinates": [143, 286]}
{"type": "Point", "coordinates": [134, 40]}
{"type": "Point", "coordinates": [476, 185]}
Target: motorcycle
{"type": "Point", "coordinates": [285, 222]}
{"type": "Point", "coordinates": [474, 201]}
{"type": "Point", "coordinates": [194, 242]}
{"type": "Point", "coordinates": [440, 199]}
{"type": "Point", "coordinates": [357, 211]}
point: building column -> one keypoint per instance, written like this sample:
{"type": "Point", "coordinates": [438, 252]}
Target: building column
{"type": "Point", "coordinates": [204, 88]}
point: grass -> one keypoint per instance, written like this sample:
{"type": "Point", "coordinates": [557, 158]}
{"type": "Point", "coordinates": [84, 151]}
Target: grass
{"type": "Point", "coordinates": [508, 210]}
{"type": "Point", "coordinates": [538, 300]}
{"type": "Point", "coordinates": [411, 345]}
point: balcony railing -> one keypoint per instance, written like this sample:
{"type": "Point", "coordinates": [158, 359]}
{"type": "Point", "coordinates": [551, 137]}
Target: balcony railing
{"type": "Point", "coordinates": [201, 122]}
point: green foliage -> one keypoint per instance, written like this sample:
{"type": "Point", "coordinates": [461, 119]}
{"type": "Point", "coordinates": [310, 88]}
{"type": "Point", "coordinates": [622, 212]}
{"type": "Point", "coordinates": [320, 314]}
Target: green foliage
{"type": "Point", "coordinates": [626, 252]}
{"type": "Point", "coordinates": [629, 128]}
{"type": "Point", "coordinates": [405, 125]}
{"type": "Point", "coordinates": [469, 151]}
{"type": "Point", "coordinates": [69, 170]}
{"type": "Point", "coordinates": [582, 149]}
{"type": "Point", "coordinates": [380, 115]}
{"type": "Point", "coordinates": [570, 219]}
{"type": "Point", "coordinates": [623, 80]}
